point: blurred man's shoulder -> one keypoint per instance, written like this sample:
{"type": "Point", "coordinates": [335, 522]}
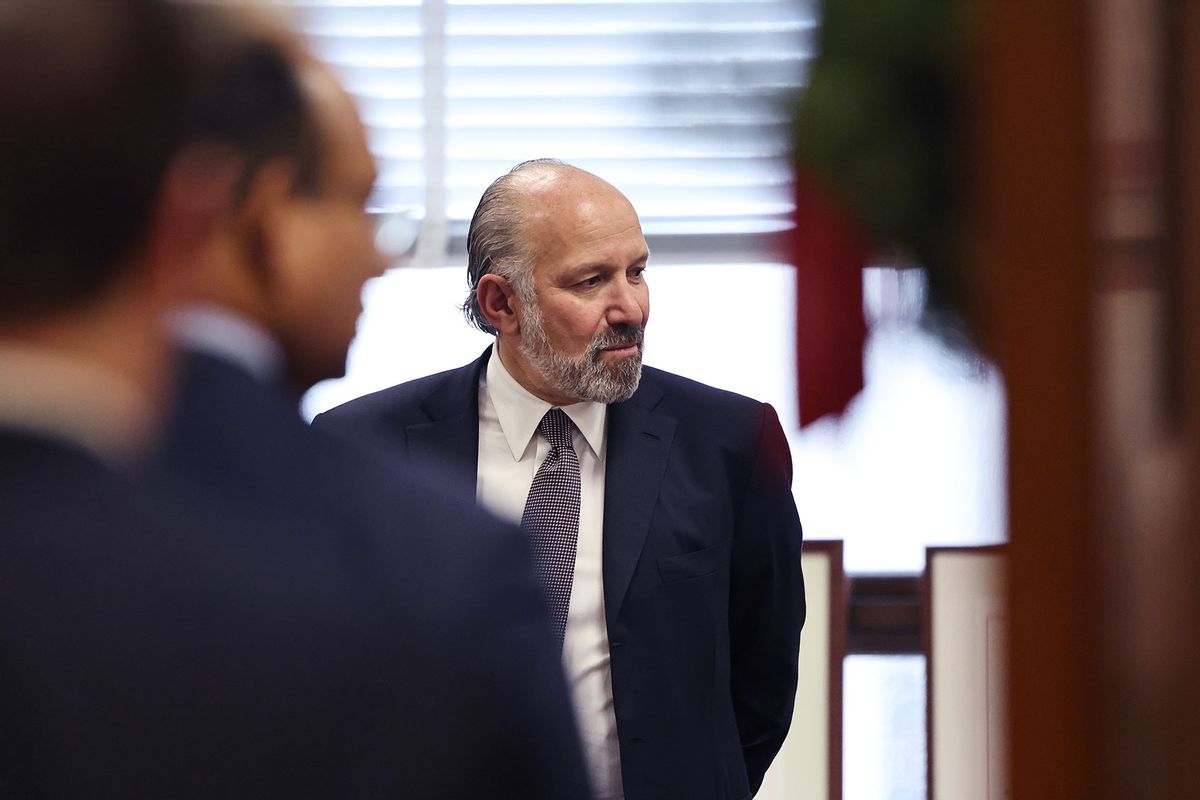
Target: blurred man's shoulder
{"type": "Point", "coordinates": [406, 403]}
{"type": "Point", "coordinates": [401, 400]}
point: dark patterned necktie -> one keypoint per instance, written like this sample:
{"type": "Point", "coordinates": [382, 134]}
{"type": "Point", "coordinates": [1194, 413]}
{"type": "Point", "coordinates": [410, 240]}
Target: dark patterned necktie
{"type": "Point", "coordinates": [551, 517]}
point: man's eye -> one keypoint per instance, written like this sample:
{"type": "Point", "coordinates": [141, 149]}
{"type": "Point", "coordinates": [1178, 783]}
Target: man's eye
{"type": "Point", "coordinates": [592, 281]}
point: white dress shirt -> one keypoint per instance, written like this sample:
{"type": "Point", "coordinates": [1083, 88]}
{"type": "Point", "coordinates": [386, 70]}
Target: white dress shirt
{"type": "Point", "coordinates": [510, 451]}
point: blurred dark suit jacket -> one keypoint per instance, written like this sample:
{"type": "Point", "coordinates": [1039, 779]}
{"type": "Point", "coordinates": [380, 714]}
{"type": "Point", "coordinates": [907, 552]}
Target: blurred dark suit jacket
{"type": "Point", "coordinates": [703, 590]}
{"type": "Point", "coordinates": [276, 620]}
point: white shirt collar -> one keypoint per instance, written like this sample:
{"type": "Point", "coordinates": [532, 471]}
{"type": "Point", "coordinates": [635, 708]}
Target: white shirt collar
{"type": "Point", "coordinates": [218, 331]}
{"type": "Point", "coordinates": [520, 411]}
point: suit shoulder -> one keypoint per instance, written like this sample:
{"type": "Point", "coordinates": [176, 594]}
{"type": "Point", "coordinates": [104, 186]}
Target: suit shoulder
{"type": "Point", "coordinates": [395, 402]}
{"type": "Point", "coordinates": [382, 400]}
{"type": "Point", "coordinates": [698, 396]}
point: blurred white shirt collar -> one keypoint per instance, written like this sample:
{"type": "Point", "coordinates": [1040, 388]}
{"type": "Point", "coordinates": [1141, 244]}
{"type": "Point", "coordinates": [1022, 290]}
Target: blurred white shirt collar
{"type": "Point", "coordinates": [217, 331]}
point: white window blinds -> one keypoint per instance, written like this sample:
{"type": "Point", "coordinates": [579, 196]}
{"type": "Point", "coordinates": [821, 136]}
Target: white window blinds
{"type": "Point", "coordinates": [682, 104]}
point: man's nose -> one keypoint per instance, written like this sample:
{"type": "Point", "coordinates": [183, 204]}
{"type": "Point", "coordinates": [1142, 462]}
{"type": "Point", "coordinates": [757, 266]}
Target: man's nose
{"type": "Point", "coordinates": [626, 306]}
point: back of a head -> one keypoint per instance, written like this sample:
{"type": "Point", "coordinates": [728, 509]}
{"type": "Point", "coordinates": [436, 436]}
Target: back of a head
{"type": "Point", "coordinates": [92, 103]}
{"type": "Point", "coordinates": [247, 94]}
{"type": "Point", "coordinates": [286, 259]}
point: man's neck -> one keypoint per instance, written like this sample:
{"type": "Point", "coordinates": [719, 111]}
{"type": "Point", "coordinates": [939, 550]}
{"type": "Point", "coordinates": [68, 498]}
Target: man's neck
{"type": "Point", "coordinates": [101, 381]}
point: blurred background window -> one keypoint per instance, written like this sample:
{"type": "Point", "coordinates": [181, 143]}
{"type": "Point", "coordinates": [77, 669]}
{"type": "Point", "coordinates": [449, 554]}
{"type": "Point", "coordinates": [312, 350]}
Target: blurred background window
{"type": "Point", "coordinates": [685, 106]}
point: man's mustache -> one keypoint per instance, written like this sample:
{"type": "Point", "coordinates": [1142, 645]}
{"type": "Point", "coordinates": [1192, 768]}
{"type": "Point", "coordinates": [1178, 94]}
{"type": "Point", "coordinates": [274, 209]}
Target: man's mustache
{"type": "Point", "coordinates": [616, 336]}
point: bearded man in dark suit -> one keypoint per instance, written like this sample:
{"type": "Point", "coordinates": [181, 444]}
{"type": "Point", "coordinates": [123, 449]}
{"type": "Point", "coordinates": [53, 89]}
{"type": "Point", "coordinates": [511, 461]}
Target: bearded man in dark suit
{"type": "Point", "coordinates": [672, 561]}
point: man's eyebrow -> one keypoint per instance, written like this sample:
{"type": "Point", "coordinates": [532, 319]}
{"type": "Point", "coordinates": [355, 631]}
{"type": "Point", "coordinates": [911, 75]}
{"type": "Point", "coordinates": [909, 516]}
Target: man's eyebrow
{"type": "Point", "coordinates": [594, 266]}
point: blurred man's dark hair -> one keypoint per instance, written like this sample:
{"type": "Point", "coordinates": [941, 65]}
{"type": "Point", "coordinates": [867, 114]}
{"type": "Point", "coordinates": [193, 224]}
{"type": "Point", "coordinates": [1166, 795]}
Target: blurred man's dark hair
{"type": "Point", "coordinates": [247, 94]}
{"type": "Point", "coordinates": [88, 129]}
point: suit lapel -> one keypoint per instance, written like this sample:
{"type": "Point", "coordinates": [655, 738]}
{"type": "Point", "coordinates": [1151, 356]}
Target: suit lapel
{"type": "Point", "coordinates": [451, 436]}
{"type": "Point", "coordinates": [639, 441]}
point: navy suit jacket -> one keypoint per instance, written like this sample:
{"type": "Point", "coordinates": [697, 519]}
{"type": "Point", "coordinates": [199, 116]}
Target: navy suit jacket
{"type": "Point", "coordinates": [701, 561]}
{"type": "Point", "coordinates": [384, 640]}
{"type": "Point", "coordinates": [159, 643]}
{"type": "Point", "coordinates": [89, 606]}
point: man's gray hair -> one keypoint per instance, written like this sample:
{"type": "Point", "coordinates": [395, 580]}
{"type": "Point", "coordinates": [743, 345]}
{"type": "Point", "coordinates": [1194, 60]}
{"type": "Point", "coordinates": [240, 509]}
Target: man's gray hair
{"type": "Point", "coordinates": [496, 241]}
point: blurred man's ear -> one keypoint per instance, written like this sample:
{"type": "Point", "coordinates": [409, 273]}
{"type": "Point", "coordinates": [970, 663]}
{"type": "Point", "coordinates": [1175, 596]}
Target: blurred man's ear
{"type": "Point", "coordinates": [263, 218]}
{"type": "Point", "coordinates": [499, 304]}
{"type": "Point", "coordinates": [197, 194]}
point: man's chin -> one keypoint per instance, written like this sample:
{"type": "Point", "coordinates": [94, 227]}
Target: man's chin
{"type": "Point", "coordinates": [622, 380]}
{"type": "Point", "coordinates": [603, 377]}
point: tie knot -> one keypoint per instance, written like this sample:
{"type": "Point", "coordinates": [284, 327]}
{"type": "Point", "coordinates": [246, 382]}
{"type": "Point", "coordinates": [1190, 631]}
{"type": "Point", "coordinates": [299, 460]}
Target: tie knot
{"type": "Point", "coordinates": [556, 427]}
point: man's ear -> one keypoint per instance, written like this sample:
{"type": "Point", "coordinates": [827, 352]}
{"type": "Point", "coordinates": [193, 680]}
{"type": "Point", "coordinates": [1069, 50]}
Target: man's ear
{"type": "Point", "coordinates": [264, 220]}
{"type": "Point", "coordinates": [197, 192]}
{"type": "Point", "coordinates": [499, 303]}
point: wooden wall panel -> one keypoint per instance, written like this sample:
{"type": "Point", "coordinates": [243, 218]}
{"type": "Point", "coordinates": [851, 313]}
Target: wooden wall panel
{"type": "Point", "coordinates": [1032, 247]}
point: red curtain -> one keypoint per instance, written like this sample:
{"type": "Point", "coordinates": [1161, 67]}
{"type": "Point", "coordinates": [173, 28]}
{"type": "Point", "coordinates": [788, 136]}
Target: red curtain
{"type": "Point", "coordinates": [829, 250]}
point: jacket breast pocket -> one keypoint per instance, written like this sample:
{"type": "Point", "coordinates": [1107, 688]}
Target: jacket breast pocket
{"type": "Point", "coordinates": [695, 564]}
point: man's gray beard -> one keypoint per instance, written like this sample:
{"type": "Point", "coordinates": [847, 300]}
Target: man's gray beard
{"type": "Point", "coordinates": [585, 377]}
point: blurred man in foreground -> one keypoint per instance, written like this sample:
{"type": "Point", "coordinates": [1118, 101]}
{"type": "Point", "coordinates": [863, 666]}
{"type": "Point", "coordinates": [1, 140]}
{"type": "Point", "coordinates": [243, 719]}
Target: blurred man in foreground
{"type": "Point", "coordinates": [161, 636]}
{"type": "Point", "coordinates": [461, 695]}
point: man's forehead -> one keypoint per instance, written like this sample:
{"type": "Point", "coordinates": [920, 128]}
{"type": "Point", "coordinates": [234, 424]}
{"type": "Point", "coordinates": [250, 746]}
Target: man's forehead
{"type": "Point", "coordinates": [564, 245]}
